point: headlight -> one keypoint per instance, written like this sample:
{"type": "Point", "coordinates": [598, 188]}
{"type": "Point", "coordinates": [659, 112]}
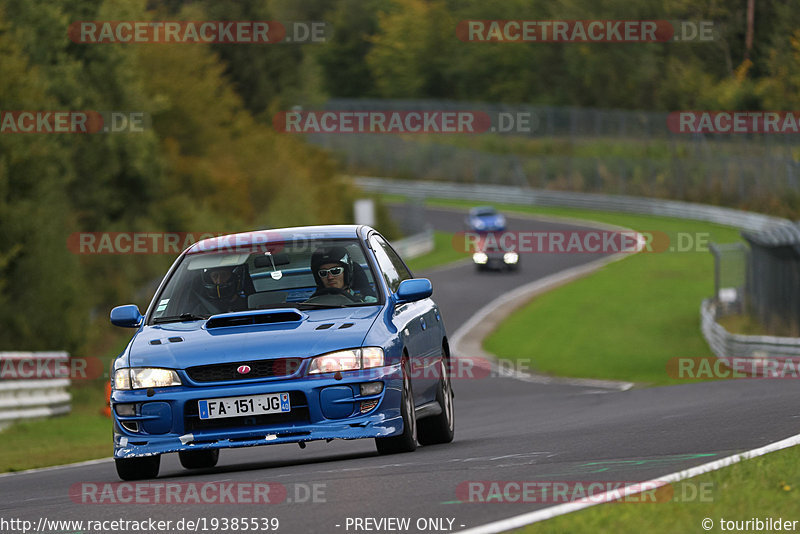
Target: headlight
{"type": "Point", "coordinates": [511, 257]}
{"type": "Point", "coordinates": [480, 225]}
{"type": "Point", "coordinates": [145, 377]}
{"type": "Point", "coordinates": [347, 360]}
{"type": "Point", "coordinates": [122, 379]}
{"type": "Point", "coordinates": [480, 257]}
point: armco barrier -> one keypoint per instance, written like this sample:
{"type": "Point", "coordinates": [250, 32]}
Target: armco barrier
{"type": "Point", "coordinates": [415, 245]}
{"type": "Point", "coordinates": [722, 342]}
{"type": "Point", "coordinates": [565, 199]}
{"type": "Point", "coordinates": [30, 398]}
{"type": "Point", "coordinates": [727, 345]}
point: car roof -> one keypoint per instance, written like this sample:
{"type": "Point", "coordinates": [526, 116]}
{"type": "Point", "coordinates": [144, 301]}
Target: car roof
{"type": "Point", "coordinates": [483, 210]}
{"type": "Point", "coordinates": [277, 235]}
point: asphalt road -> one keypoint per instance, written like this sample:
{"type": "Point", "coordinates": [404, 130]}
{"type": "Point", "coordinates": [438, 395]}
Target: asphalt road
{"type": "Point", "coordinates": [506, 430]}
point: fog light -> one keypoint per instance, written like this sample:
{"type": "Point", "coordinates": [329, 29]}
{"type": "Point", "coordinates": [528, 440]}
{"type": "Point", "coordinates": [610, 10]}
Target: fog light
{"type": "Point", "coordinates": [125, 410]}
{"type": "Point", "coordinates": [480, 258]}
{"type": "Point", "coordinates": [368, 405]}
{"type": "Point", "coordinates": [130, 426]}
{"type": "Point", "coordinates": [371, 388]}
{"type": "Point", "coordinates": [510, 257]}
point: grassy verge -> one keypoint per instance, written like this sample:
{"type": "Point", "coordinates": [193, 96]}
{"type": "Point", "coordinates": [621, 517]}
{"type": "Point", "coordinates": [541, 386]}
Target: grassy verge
{"type": "Point", "coordinates": [623, 322]}
{"type": "Point", "coordinates": [763, 487]}
{"type": "Point", "coordinates": [442, 253]}
{"type": "Point", "coordinates": [84, 433]}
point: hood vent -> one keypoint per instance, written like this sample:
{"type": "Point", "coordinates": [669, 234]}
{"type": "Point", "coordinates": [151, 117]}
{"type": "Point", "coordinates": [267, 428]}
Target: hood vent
{"type": "Point", "coordinates": [170, 339]}
{"type": "Point", "coordinates": [253, 318]}
{"type": "Point", "coordinates": [346, 325]}
{"type": "Point", "coordinates": [324, 326]}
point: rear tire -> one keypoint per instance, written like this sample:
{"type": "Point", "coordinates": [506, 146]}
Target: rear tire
{"type": "Point", "coordinates": [440, 428]}
{"type": "Point", "coordinates": [138, 468]}
{"type": "Point", "coordinates": [407, 441]}
{"type": "Point", "coordinates": [199, 459]}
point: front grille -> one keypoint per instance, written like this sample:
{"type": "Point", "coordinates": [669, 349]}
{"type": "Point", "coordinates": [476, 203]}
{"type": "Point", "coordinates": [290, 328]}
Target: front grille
{"type": "Point", "coordinates": [222, 372]}
{"type": "Point", "coordinates": [299, 414]}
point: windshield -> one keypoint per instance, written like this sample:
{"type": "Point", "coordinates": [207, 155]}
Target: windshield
{"type": "Point", "coordinates": [329, 274]}
{"type": "Point", "coordinates": [483, 212]}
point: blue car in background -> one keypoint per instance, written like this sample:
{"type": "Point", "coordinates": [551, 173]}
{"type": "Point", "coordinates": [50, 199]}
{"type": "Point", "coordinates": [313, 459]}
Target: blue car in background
{"type": "Point", "coordinates": [485, 219]}
{"type": "Point", "coordinates": [281, 336]}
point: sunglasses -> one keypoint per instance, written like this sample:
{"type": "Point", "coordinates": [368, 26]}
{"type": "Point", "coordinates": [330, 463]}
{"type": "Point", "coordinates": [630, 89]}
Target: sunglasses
{"type": "Point", "coordinates": [335, 271]}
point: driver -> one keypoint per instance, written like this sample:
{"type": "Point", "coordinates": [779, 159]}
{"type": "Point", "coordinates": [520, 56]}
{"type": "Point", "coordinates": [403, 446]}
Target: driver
{"type": "Point", "coordinates": [332, 268]}
{"type": "Point", "coordinates": [223, 289]}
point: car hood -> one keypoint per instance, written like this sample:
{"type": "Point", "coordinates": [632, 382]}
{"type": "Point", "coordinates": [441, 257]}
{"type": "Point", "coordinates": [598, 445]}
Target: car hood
{"type": "Point", "coordinates": [186, 344]}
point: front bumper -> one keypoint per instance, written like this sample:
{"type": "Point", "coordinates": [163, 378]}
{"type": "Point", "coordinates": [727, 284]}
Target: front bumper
{"type": "Point", "coordinates": [322, 408]}
{"type": "Point", "coordinates": [496, 262]}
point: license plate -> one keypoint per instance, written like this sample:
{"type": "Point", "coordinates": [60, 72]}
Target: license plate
{"type": "Point", "coordinates": [249, 405]}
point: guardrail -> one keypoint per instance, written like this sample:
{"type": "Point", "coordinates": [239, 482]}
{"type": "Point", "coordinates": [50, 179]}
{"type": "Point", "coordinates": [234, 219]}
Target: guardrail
{"type": "Point", "coordinates": [27, 397]}
{"type": "Point", "coordinates": [415, 245]}
{"type": "Point", "coordinates": [539, 197]}
{"type": "Point", "coordinates": [727, 345]}
{"type": "Point", "coordinates": [723, 344]}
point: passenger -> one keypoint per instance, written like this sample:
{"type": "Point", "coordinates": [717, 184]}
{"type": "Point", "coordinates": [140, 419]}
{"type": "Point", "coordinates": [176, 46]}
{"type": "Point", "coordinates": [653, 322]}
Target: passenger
{"type": "Point", "coordinates": [223, 289]}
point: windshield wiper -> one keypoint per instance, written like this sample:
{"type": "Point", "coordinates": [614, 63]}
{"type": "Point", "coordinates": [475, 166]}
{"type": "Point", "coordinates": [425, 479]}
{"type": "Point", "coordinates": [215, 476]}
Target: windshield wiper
{"type": "Point", "coordinates": [181, 317]}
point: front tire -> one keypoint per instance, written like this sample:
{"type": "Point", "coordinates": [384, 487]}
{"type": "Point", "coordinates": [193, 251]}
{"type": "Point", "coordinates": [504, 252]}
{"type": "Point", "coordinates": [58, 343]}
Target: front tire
{"type": "Point", "coordinates": [407, 441]}
{"type": "Point", "coordinates": [199, 459]}
{"type": "Point", "coordinates": [440, 428]}
{"type": "Point", "coordinates": [138, 468]}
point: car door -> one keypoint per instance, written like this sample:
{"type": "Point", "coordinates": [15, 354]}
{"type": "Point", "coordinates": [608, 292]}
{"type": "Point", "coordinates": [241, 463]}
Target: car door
{"type": "Point", "coordinates": [417, 320]}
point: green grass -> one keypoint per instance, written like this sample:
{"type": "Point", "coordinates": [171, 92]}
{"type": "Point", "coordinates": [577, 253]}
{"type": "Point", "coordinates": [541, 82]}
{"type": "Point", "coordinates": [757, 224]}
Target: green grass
{"type": "Point", "coordinates": [624, 322]}
{"type": "Point", "coordinates": [442, 253]}
{"type": "Point", "coordinates": [767, 486]}
{"type": "Point", "coordinates": [84, 434]}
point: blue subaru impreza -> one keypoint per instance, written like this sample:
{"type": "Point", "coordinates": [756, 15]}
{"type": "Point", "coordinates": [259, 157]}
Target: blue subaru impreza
{"type": "Point", "coordinates": [281, 336]}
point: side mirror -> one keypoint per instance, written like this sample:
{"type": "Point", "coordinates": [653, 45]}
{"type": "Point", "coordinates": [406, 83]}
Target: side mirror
{"type": "Point", "coordinates": [414, 289]}
{"type": "Point", "coordinates": [126, 316]}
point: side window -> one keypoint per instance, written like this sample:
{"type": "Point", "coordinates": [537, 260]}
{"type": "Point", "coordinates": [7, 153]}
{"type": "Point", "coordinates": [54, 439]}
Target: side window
{"type": "Point", "coordinates": [388, 271]}
{"type": "Point", "coordinates": [390, 263]}
{"type": "Point", "coordinates": [396, 261]}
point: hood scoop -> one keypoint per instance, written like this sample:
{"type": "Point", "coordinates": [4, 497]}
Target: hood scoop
{"type": "Point", "coordinates": [254, 318]}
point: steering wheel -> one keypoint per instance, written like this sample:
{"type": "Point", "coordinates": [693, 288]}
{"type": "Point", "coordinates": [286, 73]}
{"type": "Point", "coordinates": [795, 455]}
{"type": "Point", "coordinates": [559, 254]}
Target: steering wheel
{"type": "Point", "coordinates": [333, 292]}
